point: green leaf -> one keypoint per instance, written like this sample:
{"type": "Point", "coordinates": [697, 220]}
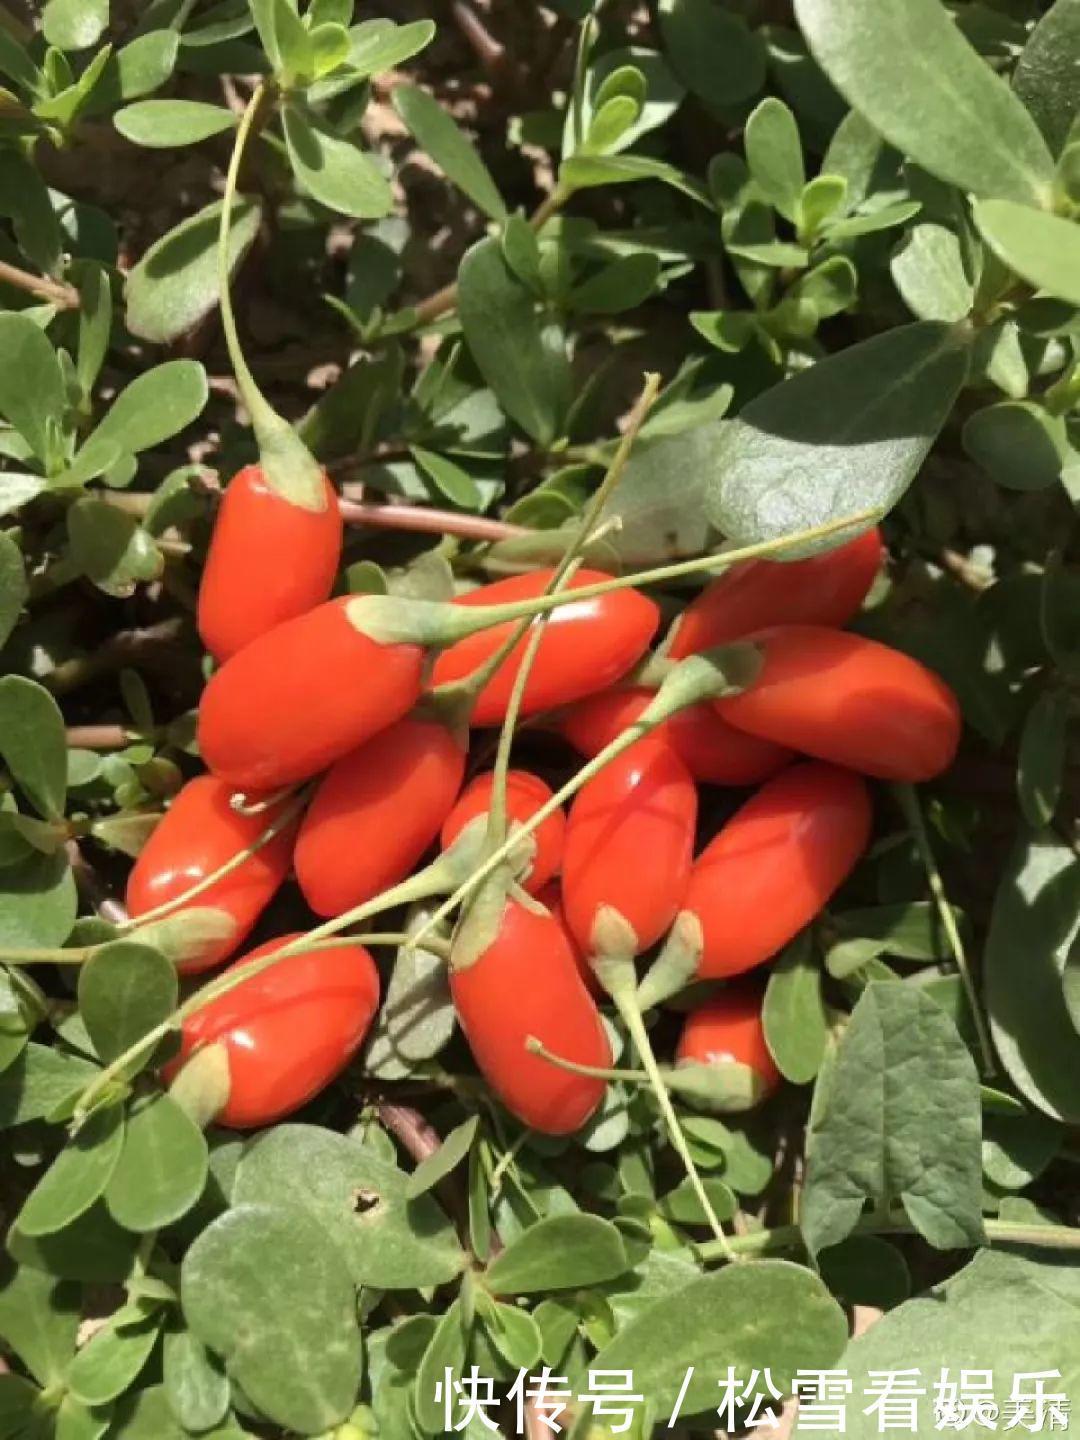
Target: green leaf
{"type": "Point", "coordinates": [137, 69]}
{"type": "Point", "coordinates": [623, 285]}
{"type": "Point", "coordinates": [76, 1421]}
{"type": "Point", "coordinates": [896, 1119]}
{"type": "Point", "coordinates": [37, 902]}
{"type": "Point", "coordinates": [196, 1387]}
{"type": "Point", "coordinates": [908, 69]}
{"type": "Point", "coordinates": [1045, 74]}
{"type": "Point", "coordinates": [774, 155]}
{"type": "Point", "coordinates": [659, 93]}
{"type": "Point", "coordinates": [445, 1351]}
{"type": "Point", "coordinates": [583, 172]}
{"type": "Point", "coordinates": [358, 1201]}
{"type": "Point", "coordinates": [910, 930]}
{"type": "Point", "coordinates": [437, 132]}
{"type": "Point", "coordinates": [39, 1320]}
{"type": "Point", "coordinates": [166, 124]}
{"type": "Point", "coordinates": [16, 64]}
{"type": "Point", "coordinates": [660, 499]}
{"type": "Point", "coordinates": [1018, 1148]}
{"type": "Point", "coordinates": [75, 24]}
{"type": "Point", "coordinates": [848, 434]}
{"type": "Point", "coordinates": [125, 990]}
{"type": "Point", "coordinates": [866, 1270]}
{"type": "Point", "coordinates": [95, 320]}
{"type": "Point", "coordinates": [1015, 1314]}
{"type": "Point", "coordinates": [31, 385]}
{"type": "Point", "coordinates": [561, 1252]}
{"type": "Point", "coordinates": [92, 1249]}
{"type": "Point", "coordinates": [111, 1361]}
{"type": "Point", "coordinates": [1034, 920]}
{"type": "Point", "coordinates": [38, 1082]}
{"type": "Point", "coordinates": [145, 1415]}
{"type": "Point", "coordinates": [1019, 444]}
{"type": "Point", "coordinates": [77, 1177]}
{"type": "Point", "coordinates": [612, 121]}
{"type": "Point", "coordinates": [828, 289]}
{"type": "Point", "coordinates": [683, 1207]}
{"type": "Point", "coordinates": [334, 171]}
{"type": "Point", "coordinates": [529, 376]}
{"type": "Point", "coordinates": [713, 52]}
{"type": "Point", "coordinates": [1043, 249]}
{"type": "Point", "coordinates": [33, 743]}
{"type": "Point", "coordinates": [157, 405]}
{"type": "Point", "coordinates": [444, 1160]}
{"type": "Point", "coordinates": [449, 479]}
{"type": "Point", "coordinates": [265, 1288]}
{"type": "Point", "coordinates": [771, 1314]}
{"type": "Point", "coordinates": [24, 196]}
{"type": "Point", "coordinates": [65, 107]}
{"type": "Point", "coordinates": [111, 548]}
{"type": "Point", "coordinates": [928, 270]}
{"type": "Point", "coordinates": [513, 1333]}
{"type": "Point", "coordinates": [162, 1168]}
{"type": "Point", "coordinates": [1041, 762]}
{"type": "Point", "coordinates": [416, 1019]}
{"type": "Point", "coordinates": [794, 1015]}
{"type": "Point", "coordinates": [175, 284]}
{"type": "Point", "coordinates": [379, 45]}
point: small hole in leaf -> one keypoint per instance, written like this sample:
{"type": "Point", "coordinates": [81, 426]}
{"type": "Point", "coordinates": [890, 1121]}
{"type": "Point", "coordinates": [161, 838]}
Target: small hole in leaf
{"type": "Point", "coordinates": [365, 1202]}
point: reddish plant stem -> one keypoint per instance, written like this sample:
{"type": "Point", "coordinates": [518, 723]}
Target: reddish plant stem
{"type": "Point", "coordinates": [497, 64]}
{"type": "Point", "coordinates": [425, 521]}
{"type": "Point", "coordinates": [66, 297]}
{"type": "Point", "coordinates": [410, 1129]}
{"type": "Point", "coordinates": [99, 737]}
{"type": "Point", "coordinates": [421, 1140]}
{"type": "Point", "coordinates": [380, 515]}
{"type": "Point", "coordinates": [91, 888]}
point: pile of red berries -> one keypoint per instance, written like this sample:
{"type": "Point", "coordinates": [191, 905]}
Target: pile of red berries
{"type": "Point", "coordinates": [309, 690]}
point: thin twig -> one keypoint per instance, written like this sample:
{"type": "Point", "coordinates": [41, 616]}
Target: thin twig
{"type": "Point", "coordinates": [909, 804]}
{"type": "Point", "coordinates": [56, 292]}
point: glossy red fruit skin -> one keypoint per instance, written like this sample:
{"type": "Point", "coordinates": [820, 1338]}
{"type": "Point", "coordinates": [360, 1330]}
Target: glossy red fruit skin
{"type": "Point", "coordinates": [199, 833]}
{"type": "Point", "coordinates": [729, 1027]}
{"type": "Point", "coordinates": [850, 700]}
{"type": "Point", "coordinates": [268, 561]}
{"type": "Point", "coordinates": [287, 1031]}
{"type": "Point", "coordinates": [586, 647]}
{"type": "Point", "coordinates": [551, 898]}
{"type": "Point", "coordinates": [375, 813]}
{"type": "Point", "coordinates": [825, 589]}
{"type": "Point", "coordinates": [525, 795]}
{"type": "Point", "coordinates": [630, 844]}
{"type": "Point", "coordinates": [714, 752]}
{"type": "Point", "coordinates": [527, 983]}
{"type": "Point", "coordinates": [775, 864]}
{"type": "Point", "coordinates": [297, 699]}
